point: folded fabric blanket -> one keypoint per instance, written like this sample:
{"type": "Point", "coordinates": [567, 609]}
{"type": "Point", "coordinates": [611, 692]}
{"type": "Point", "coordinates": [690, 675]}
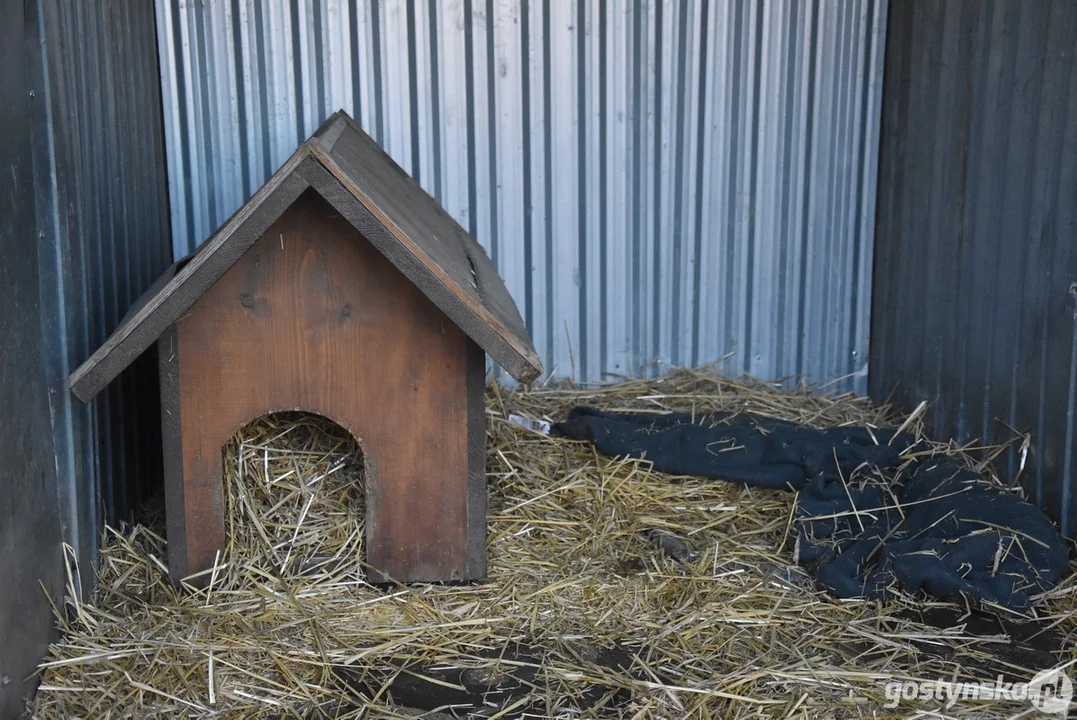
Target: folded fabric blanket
{"type": "Point", "coordinates": [868, 520]}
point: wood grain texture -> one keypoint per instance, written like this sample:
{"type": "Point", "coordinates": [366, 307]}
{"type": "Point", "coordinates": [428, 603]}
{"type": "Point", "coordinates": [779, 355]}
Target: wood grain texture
{"type": "Point", "coordinates": [476, 460]}
{"type": "Point", "coordinates": [327, 135]}
{"type": "Point", "coordinates": [312, 317]}
{"type": "Point", "coordinates": [387, 206]}
{"type": "Point", "coordinates": [142, 328]}
{"type": "Point", "coordinates": [423, 228]}
{"type": "Point", "coordinates": [427, 278]}
{"type": "Point", "coordinates": [172, 446]}
{"type": "Point", "coordinates": [151, 292]}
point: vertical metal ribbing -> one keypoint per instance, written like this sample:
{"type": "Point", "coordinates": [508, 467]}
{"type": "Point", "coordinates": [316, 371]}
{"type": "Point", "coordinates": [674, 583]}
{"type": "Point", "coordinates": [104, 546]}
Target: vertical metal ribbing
{"type": "Point", "coordinates": [658, 181]}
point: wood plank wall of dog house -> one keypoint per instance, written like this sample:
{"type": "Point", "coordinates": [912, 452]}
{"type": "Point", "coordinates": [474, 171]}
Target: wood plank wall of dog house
{"type": "Point", "coordinates": [313, 318]}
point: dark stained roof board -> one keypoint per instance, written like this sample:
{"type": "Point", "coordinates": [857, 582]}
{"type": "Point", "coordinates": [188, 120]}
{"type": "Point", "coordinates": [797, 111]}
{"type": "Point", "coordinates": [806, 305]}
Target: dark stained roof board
{"type": "Point", "coordinates": [388, 208]}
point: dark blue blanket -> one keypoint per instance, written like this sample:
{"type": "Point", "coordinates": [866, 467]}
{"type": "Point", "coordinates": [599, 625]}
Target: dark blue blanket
{"type": "Point", "coordinates": [868, 520]}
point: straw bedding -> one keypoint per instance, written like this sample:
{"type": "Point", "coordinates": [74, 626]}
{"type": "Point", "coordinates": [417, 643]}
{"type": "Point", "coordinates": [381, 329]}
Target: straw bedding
{"type": "Point", "coordinates": [580, 563]}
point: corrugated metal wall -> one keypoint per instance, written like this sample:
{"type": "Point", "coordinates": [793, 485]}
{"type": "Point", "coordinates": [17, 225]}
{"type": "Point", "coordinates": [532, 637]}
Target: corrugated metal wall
{"type": "Point", "coordinates": [30, 551]}
{"type": "Point", "coordinates": [83, 230]}
{"type": "Point", "coordinates": [976, 303]}
{"type": "Point", "coordinates": [103, 235]}
{"type": "Point", "coordinates": [674, 181]}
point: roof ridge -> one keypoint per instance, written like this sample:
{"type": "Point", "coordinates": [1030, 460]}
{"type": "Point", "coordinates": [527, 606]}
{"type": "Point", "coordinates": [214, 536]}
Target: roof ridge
{"type": "Point", "coordinates": [388, 208]}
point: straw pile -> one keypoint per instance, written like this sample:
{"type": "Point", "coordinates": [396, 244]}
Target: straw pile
{"type": "Point", "coordinates": [288, 628]}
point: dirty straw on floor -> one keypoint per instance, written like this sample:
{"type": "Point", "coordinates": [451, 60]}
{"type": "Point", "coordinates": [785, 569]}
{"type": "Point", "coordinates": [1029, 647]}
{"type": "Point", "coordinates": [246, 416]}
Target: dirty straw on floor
{"type": "Point", "coordinates": [288, 628]}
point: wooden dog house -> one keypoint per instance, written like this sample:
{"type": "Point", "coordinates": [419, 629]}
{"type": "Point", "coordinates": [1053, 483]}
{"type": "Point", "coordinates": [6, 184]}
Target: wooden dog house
{"type": "Point", "coordinates": [340, 288]}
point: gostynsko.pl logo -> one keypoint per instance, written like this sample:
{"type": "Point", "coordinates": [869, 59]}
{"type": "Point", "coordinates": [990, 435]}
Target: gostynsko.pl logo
{"type": "Point", "coordinates": [1050, 691]}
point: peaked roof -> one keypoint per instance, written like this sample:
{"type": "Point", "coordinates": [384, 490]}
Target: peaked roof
{"type": "Point", "coordinates": [387, 206]}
